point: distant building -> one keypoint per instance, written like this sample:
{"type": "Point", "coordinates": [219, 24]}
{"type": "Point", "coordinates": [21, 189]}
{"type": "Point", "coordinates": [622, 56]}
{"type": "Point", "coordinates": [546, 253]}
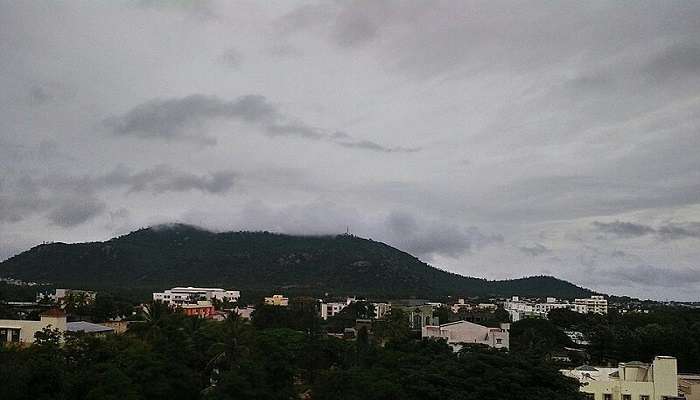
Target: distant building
{"type": "Point", "coordinates": [594, 304]}
{"type": "Point", "coordinates": [245, 312]}
{"type": "Point", "coordinates": [629, 381]}
{"type": "Point", "coordinates": [520, 308]}
{"type": "Point", "coordinates": [418, 315]}
{"type": "Point", "coordinates": [202, 309]}
{"type": "Point", "coordinates": [689, 386]}
{"type": "Point", "coordinates": [462, 332]}
{"type": "Point", "coordinates": [461, 305]}
{"type": "Point", "coordinates": [88, 328]}
{"type": "Point", "coordinates": [277, 300]}
{"type": "Point", "coordinates": [62, 296]}
{"type": "Point", "coordinates": [328, 310]}
{"type": "Point", "coordinates": [381, 310]}
{"type": "Point", "coordinates": [22, 331]}
{"type": "Point", "coordinates": [184, 295]}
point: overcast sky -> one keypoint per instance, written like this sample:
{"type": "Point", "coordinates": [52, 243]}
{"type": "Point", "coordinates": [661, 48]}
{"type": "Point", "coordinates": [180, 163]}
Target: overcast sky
{"type": "Point", "coordinates": [493, 139]}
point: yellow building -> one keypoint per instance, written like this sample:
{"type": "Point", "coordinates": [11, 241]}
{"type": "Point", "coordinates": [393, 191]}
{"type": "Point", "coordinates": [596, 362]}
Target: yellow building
{"type": "Point", "coordinates": [277, 300]}
{"type": "Point", "coordinates": [629, 381]}
{"type": "Point", "coordinates": [22, 331]}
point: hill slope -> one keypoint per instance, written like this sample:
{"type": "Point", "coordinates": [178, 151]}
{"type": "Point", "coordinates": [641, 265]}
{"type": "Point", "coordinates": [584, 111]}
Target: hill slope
{"type": "Point", "coordinates": [172, 255]}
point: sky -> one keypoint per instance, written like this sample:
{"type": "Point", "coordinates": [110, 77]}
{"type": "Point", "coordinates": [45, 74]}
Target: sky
{"type": "Point", "coordinates": [492, 139]}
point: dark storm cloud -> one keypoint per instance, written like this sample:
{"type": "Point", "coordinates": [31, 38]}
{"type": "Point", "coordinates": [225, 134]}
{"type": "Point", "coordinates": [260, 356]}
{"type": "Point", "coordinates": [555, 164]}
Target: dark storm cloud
{"type": "Point", "coordinates": [187, 118]}
{"type": "Point", "coordinates": [535, 250]}
{"type": "Point", "coordinates": [76, 211]}
{"type": "Point", "coordinates": [669, 231]}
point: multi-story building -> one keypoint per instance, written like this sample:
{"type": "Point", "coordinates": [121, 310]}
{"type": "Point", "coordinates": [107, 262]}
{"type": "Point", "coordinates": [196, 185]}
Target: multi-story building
{"type": "Point", "coordinates": [381, 310]}
{"type": "Point", "coordinates": [519, 309]}
{"type": "Point", "coordinates": [22, 331]}
{"type": "Point", "coordinates": [594, 304]}
{"type": "Point", "coordinates": [332, 309]}
{"type": "Point", "coordinates": [277, 300]}
{"type": "Point", "coordinates": [460, 333]}
{"type": "Point", "coordinates": [629, 381]}
{"type": "Point", "coordinates": [182, 295]}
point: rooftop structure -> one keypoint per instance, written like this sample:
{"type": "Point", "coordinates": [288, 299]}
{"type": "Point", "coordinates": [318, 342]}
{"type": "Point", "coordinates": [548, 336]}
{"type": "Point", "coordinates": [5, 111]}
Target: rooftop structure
{"type": "Point", "coordinates": [462, 332]}
{"type": "Point", "coordinates": [521, 308]}
{"type": "Point", "coordinates": [88, 328]}
{"type": "Point", "coordinates": [630, 380]}
{"type": "Point", "coordinates": [189, 294]}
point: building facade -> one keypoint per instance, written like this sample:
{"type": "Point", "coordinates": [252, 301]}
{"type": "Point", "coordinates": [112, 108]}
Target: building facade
{"type": "Point", "coordinates": [22, 331]}
{"type": "Point", "coordinates": [277, 300]}
{"type": "Point", "coordinates": [183, 295]}
{"type": "Point", "coordinates": [460, 333]}
{"type": "Point", "coordinates": [629, 381]}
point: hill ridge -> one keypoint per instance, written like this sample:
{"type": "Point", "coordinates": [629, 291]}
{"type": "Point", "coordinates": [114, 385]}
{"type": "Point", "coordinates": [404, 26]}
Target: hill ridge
{"type": "Point", "coordinates": [175, 254]}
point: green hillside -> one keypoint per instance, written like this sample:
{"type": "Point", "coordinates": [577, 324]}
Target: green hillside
{"type": "Point", "coordinates": [165, 256]}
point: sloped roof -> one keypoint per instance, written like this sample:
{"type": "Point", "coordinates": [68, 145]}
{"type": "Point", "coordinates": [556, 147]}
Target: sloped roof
{"type": "Point", "coordinates": [586, 368]}
{"type": "Point", "coordinates": [87, 327]}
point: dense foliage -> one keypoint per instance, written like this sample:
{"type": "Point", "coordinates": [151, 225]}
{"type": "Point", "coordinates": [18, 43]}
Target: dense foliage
{"type": "Point", "coordinates": [160, 257]}
{"type": "Point", "coordinates": [170, 356]}
{"type": "Point", "coordinates": [616, 337]}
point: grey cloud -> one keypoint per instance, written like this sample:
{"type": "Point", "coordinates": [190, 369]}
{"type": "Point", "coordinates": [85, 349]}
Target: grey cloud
{"type": "Point", "coordinates": [534, 250]}
{"type": "Point", "coordinates": [25, 196]}
{"type": "Point", "coordinates": [162, 179]}
{"type": "Point", "coordinates": [177, 118]}
{"type": "Point", "coordinates": [231, 58]}
{"type": "Point", "coordinates": [679, 230]}
{"type": "Point", "coordinates": [368, 145]}
{"type": "Point", "coordinates": [187, 118]}
{"type": "Point", "coordinates": [76, 211]}
{"type": "Point", "coordinates": [625, 229]}
{"type": "Point", "coordinates": [429, 238]}
{"type": "Point", "coordinates": [649, 275]}
{"type": "Point", "coordinates": [669, 231]}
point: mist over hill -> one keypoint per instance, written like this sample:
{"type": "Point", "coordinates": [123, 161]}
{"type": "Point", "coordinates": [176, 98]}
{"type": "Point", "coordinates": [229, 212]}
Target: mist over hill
{"type": "Point", "coordinates": [176, 254]}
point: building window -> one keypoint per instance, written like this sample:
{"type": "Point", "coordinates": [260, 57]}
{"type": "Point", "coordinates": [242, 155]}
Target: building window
{"type": "Point", "coordinates": [626, 397]}
{"type": "Point", "coordinates": [607, 396]}
{"type": "Point", "coordinates": [15, 335]}
{"type": "Point", "coordinates": [589, 396]}
{"type": "Point", "coordinates": [3, 335]}
{"type": "Point", "coordinates": [498, 341]}
{"type": "Point", "coordinates": [643, 397]}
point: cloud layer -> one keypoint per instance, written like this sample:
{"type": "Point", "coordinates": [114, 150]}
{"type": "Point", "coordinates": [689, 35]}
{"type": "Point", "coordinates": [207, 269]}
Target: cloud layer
{"type": "Point", "coordinates": [493, 139]}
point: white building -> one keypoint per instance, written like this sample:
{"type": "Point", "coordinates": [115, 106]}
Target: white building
{"type": "Point", "coordinates": [331, 309]}
{"type": "Point", "coordinates": [183, 295]}
{"type": "Point", "coordinates": [22, 331]}
{"type": "Point", "coordinates": [629, 381]}
{"type": "Point", "coordinates": [594, 304]}
{"type": "Point", "coordinates": [463, 332]}
{"type": "Point", "coordinates": [519, 309]}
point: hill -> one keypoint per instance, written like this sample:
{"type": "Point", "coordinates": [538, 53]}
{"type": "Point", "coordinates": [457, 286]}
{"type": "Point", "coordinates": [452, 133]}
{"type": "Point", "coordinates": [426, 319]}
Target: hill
{"type": "Point", "coordinates": [165, 256]}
